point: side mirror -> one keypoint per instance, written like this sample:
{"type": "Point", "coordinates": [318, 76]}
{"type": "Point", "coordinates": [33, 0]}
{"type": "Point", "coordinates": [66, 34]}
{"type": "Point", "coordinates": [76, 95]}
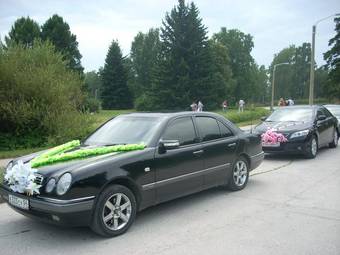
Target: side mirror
{"type": "Point", "coordinates": [165, 145]}
{"type": "Point", "coordinates": [322, 117]}
{"type": "Point", "coordinates": [263, 118]}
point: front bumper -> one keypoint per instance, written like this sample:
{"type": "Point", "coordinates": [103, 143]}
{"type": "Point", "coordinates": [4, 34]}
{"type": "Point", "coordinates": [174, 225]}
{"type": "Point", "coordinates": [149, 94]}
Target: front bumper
{"type": "Point", "coordinates": [290, 147]}
{"type": "Point", "coordinates": [75, 212]}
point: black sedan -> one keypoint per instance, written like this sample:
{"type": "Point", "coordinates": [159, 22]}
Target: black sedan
{"type": "Point", "coordinates": [186, 153]}
{"type": "Point", "coordinates": [335, 110]}
{"type": "Point", "coordinates": [306, 128]}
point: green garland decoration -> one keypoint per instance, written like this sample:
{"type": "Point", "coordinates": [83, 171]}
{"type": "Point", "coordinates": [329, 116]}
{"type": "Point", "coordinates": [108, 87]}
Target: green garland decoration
{"type": "Point", "coordinates": [59, 154]}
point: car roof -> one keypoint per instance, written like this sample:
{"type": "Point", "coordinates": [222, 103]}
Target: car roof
{"type": "Point", "coordinates": [170, 114]}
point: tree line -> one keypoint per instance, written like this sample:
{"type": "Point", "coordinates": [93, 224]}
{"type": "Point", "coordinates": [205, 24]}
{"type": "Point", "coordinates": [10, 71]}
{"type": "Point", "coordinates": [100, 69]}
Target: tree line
{"type": "Point", "coordinates": [171, 66]}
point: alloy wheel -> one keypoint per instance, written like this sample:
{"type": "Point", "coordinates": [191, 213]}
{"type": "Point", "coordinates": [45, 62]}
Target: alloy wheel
{"type": "Point", "coordinates": [240, 173]}
{"type": "Point", "coordinates": [314, 147]}
{"type": "Point", "coordinates": [117, 211]}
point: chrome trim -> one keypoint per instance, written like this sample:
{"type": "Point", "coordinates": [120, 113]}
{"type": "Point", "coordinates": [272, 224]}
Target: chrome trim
{"type": "Point", "coordinates": [181, 177]}
{"type": "Point", "coordinates": [60, 201]}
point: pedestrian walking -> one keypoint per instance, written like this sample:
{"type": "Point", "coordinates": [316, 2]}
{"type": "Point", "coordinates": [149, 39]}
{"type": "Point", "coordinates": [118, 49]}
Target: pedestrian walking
{"type": "Point", "coordinates": [200, 106]}
{"type": "Point", "coordinates": [290, 102]}
{"type": "Point", "coordinates": [241, 104]}
{"type": "Point", "coordinates": [282, 102]}
{"type": "Point", "coordinates": [224, 105]}
{"type": "Point", "coordinates": [193, 106]}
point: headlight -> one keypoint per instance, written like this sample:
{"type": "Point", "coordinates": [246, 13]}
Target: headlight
{"type": "Point", "coordinates": [50, 185]}
{"type": "Point", "coordinates": [64, 183]}
{"type": "Point", "coordinates": [300, 133]}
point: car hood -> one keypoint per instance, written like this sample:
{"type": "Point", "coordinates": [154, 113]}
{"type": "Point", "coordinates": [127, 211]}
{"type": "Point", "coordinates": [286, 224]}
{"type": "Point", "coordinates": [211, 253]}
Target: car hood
{"type": "Point", "coordinates": [283, 126]}
{"type": "Point", "coordinates": [76, 164]}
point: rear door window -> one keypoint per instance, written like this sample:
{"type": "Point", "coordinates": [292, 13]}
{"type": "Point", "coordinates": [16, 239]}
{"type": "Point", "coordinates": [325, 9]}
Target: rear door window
{"type": "Point", "coordinates": [181, 129]}
{"type": "Point", "coordinates": [208, 128]}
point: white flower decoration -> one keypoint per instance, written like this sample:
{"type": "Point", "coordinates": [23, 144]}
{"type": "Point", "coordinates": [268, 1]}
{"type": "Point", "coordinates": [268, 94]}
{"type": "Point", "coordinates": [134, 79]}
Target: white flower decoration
{"type": "Point", "coordinates": [21, 178]}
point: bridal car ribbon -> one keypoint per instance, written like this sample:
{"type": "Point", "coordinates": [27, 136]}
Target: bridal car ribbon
{"type": "Point", "coordinates": [271, 137]}
{"type": "Point", "coordinates": [21, 177]}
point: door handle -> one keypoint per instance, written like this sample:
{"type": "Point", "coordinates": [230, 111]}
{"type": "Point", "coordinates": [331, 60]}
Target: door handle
{"type": "Point", "coordinates": [198, 152]}
{"type": "Point", "coordinates": [231, 145]}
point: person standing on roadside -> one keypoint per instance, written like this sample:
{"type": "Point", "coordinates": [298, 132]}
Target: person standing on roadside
{"type": "Point", "coordinates": [282, 102]}
{"type": "Point", "coordinates": [193, 106]}
{"type": "Point", "coordinates": [224, 105]}
{"type": "Point", "coordinates": [241, 104]}
{"type": "Point", "coordinates": [200, 106]}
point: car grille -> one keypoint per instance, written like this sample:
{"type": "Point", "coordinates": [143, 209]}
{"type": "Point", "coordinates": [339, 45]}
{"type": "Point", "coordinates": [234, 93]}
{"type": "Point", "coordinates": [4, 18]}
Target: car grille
{"type": "Point", "coordinates": [39, 179]}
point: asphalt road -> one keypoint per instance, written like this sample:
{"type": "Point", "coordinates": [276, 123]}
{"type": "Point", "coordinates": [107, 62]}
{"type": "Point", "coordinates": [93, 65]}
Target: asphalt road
{"type": "Point", "coordinates": [290, 206]}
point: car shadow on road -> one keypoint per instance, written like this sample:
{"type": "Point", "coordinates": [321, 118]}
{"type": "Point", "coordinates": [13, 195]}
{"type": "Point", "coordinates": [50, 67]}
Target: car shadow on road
{"type": "Point", "coordinates": [33, 230]}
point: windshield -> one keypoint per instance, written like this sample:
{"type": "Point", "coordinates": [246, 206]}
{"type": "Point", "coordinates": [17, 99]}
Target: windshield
{"type": "Point", "coordinates": [125, 130]}
{"type": "Point", "coordinates": [335, 111]}
{"type": "Point", "coordinates": [291, 114]}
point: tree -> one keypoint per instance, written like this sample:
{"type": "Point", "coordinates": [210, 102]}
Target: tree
{"type": "Point", "coordinates": [40, 97]}
{"type": "Point", "coordinates": [93, 83]}
{"type": "Point", "coordinates": [184, 67]}
{"type": "Point", "coordinates": [143, 56]}
{"type": "Point", "coordinates": [292, 80]}
{"type": "Point", "coordinates": [115, 92]}
{"type": "Point", "coordinates": [24, 31]}
{"type": "Point", "coordinates": [56, 30]}
{"type": "Point", "coordinates": [239, 47]}
{"type": "Point", "coordinates": [332, 58]}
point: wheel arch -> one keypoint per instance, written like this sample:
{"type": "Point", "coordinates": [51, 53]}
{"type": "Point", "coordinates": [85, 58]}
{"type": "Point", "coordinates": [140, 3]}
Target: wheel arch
{"type": "Point", "coordinates": [128, 183]}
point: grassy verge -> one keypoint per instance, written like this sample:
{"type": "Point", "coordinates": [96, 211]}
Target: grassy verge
{"type": "Point", "coordinates": [241, 119]}
{"type": "Point", "coordinates": [2, 171]}
{"type": "Point", "coordinates": [19, 152]}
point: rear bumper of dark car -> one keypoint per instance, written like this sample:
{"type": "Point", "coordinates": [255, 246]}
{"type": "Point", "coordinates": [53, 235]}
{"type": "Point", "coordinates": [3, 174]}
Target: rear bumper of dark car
{"type": "Point", "coordinates": [256, 160]}
{"type": "Point", "coordinates": [75, 212]}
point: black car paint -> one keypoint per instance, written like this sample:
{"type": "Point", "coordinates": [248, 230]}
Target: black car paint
{"type": "Point", "coordinates": [322, 129]}
{"type": "Point", "coordinates": [172, 174]}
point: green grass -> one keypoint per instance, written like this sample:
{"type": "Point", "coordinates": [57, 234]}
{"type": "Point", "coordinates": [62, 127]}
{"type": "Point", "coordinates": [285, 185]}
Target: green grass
{"type": "Point", "coordinates": [19, 152]}
{"type": "Point", "coordinates": [240, 119]}
{"type": "Point", "coordinates": [2, 171]}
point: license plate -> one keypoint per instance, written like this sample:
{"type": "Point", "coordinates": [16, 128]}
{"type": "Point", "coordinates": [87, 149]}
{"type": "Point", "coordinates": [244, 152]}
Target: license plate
{"type": "Point", "coordinates": [271, 144]}
{"type": "Point", "coordinates": [18, 202]}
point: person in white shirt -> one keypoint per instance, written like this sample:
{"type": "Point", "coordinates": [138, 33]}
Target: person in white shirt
{"type": "Point", "coordinates": [241, 104]}
{"type": "Point", "coordinates": [200, 106]}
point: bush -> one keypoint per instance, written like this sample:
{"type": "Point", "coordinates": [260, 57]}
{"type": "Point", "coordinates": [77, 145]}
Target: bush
{"type": "Point", "coordinates": [91, 105]}
{"type": "Point", "coordinates": [39, 96]}
{"type": "Point", "coordinates": [248, 115]}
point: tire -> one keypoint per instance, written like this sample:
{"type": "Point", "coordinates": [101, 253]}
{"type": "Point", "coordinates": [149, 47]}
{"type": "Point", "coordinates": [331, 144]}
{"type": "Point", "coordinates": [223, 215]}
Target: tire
{"type": "Point", "coordinates": [311, 149]}
{"type": "Point", "coordinates": [239, 174]}
{"type": "Point", "coordinates": [109, 218]}
{"type": "Point", "coordinates": [334, 143]}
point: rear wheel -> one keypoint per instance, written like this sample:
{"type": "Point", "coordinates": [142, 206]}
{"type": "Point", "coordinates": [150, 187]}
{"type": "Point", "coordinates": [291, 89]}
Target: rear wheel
{"type": "Point", "coordinates": [311, 148]}
{"type": "Point", "coordinates": [115, 211]}
{"type": "Point", "coordinates": [239, 175]}
{"type": "Point", "coordinates": [334, 143]}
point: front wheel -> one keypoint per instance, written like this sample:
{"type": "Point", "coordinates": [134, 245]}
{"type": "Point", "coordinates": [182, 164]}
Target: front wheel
{"type": "Point", "coordinates": [240, 174]}
{"type": "Point", "coordinates": [334, 143]}
{"type": "Point", "coordinates": [115, 211]}
{"type": "Point", "coordinates": [311, 148]}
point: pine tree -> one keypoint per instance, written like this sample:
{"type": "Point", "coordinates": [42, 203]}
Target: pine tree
{"type": "Point", "coordinates": [56, 30]}
{"type": "Point", "coordinates": [25, 31]}
{"type": "Point", "coordinates": [332, 58]}
{"type": "Point", "coordinates": [115, 93]}
{"type": "Point", "coordinates": [185, 70]}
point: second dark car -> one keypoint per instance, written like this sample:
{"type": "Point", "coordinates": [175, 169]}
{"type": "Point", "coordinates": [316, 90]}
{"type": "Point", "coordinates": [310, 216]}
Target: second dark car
{"type": "Point", "coordinates": [307, 128]}
{"type": "Point", "coordinates": [186, 153]}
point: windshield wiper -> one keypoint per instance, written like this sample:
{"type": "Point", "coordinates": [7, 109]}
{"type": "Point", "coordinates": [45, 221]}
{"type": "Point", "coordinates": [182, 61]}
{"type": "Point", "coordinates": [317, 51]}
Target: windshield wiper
{"type": "Point", "coordinates": [113, 144]}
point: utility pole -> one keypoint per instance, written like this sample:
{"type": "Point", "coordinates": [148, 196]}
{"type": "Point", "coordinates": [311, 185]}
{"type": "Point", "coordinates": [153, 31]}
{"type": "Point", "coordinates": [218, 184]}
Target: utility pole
{"type": "Point", "coordinates": [312, 60]}
{"type": "Point", "coordinates": [273, 84]}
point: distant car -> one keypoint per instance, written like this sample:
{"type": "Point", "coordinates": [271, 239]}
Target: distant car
{"type": "Point", "coordinates": [335, 110]}
{"type": "Point", "coordinates": [186, 152]}
{"type": "Point", "coordinates": [307, 129]}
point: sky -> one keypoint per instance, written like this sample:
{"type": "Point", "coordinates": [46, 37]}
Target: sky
{"type": "Point", "coordinates": [274, 24]}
